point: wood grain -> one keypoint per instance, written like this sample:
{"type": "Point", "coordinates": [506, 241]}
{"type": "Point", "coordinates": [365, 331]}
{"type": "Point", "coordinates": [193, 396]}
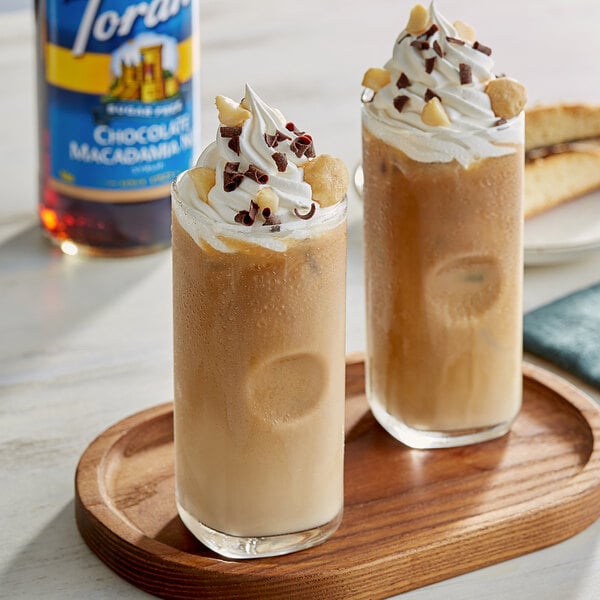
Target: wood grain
{"type": "Point", "coordinates": [412, 517]}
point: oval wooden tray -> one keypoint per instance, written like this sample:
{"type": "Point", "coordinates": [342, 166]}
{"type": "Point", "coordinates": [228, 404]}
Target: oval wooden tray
{"type": "Point", "coordinates": [412, 517]}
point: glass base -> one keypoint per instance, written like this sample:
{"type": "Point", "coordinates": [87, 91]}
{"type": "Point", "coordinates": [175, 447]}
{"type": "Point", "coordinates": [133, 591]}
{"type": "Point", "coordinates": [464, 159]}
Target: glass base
{"type": "Point", "coordinates": [232, 546]}
{"type": "Point", "coordinates": [422, 439]}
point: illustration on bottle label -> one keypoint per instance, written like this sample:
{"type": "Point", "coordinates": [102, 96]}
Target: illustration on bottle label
{"type": "Point", "coordinates": [119, 80]}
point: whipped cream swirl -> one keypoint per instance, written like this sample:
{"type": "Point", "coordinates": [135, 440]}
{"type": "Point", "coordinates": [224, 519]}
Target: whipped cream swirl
{"type": "Point", "coordinates": [474, 132]}
{"type": "Point", "coordinates": [263, 134]}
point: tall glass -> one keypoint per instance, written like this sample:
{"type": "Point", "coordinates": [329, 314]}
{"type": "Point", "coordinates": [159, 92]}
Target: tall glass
{"type": "Point", "coordinates": [259, 358]}
{"type": "Point", "coordinates": [444, 269]}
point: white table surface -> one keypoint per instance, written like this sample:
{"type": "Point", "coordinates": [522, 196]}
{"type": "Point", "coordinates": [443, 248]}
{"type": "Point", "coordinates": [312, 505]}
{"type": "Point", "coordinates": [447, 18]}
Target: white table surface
{"type": "Point", "coordinates": [86, 342]}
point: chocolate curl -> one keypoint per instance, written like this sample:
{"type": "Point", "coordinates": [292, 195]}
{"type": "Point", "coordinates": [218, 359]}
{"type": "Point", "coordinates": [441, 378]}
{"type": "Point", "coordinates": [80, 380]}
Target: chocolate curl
{"type": "Point", "coordinates": [454, 40]}
{"type": "Point", "coordinates": [253, 210]}
{"type": "Point", "coordinates": [281, 136]}
{"type": "Point", "coordinates": [308, 215]}
{"type": "Point", "coordinates": [231, 177]}
{"type": "Point", "coordinates": [483, 49]}
{"type": "Point", "coordinates": [230, 132]}
{"type": "Point", "coordinates": [234, 144]}
{"type": "Point", "coordinates": [438, 49]}
{"type": "Point", "coordinates": [256, 174]}
{"type": "Point", "coordinates": [465, 73]}
{"type": "Point", "coordinates": [403, 81]}
{"type": "Point", "coordinates": [303, 145]}
{"type": "Point", "coordinates": [429, 64]}
{"type": "Point", "coordinates": [271, 140]}
{"type": "Point", "coordinates": [400, 102]}
{"type": "Point", "coordinates": [280, 160]}
{"type": "Point", "coordinates": [244, 218]}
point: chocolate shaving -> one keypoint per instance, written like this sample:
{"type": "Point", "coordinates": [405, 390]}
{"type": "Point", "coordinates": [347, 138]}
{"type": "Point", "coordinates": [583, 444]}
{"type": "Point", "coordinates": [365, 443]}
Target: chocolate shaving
{"type": "Point", "coordinates": [429, 94]}
{"type": "Point", "coordinates": [256, 174]}
{"type": "Point", "coordinates": [266, 212]}
{"type": "Point", "coordinates": [429, 64]}
{"type": "Point", "coordinates": [253, 210]}
{"type": "Point", "coordinates": [454, 40]}
{"type": "Point", "coordinates": [231, 177]}
{"type": "Point", "coordinates": [271, 139]}
{"type": "Point", "coordinates": [400, 102]}
{"type": "Point", "coordinates": [403, 81]}
{"type": "Point", "coordinates": [308, 215]}
{"type": "Point", "coordinates": [274, 222]}
{"type": "Point", "coordinates": [438, 49]}
{"type": "Point", "coordinates": [420, 44]}
{"type": "Point", "coordinates": [280, 160]}
{"type": "Point", "coordinates": [302, 145]}
{"type": "Point", "coordinates": [281, 136]}
{"type": "Point", "coordinates": [500, 122]}
{"type": "Point", "coordinates": [234, 144]}
{"type": "Point", "coordinates": [482, 48]}
{"type": "Point", "coordinates": [430, 31]}
{"type": "Point", "coordinates": [230, 132]}
{"type": "Point", "coordinates": [465, 73]}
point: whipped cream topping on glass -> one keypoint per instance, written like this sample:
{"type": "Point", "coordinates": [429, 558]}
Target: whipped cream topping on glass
{"type": "Point", "coordinates": [474, 131]}
{"type": "Point", "coordinates": [263, 134]}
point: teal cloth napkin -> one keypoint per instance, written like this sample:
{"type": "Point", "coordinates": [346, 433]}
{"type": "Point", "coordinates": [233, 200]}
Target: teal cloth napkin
{"type": "Point", "coordinates": [567, 333]}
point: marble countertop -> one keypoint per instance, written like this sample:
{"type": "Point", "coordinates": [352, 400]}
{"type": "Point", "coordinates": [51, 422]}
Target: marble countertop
{"type": "Point", "coordinates": [86, 342]}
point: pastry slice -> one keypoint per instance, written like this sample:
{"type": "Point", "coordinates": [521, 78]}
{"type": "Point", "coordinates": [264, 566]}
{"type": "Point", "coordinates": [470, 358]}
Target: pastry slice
{"type": "Point", "coordinates": [562, 145]}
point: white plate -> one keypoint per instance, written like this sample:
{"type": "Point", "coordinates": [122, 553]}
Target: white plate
{"type": "Point", "coordinates": [565, 233]}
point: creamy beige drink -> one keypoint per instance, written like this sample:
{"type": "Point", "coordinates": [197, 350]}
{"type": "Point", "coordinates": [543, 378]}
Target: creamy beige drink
{"type": "Point", "coordinates": [443, 166]}
{"type": "Point", "coordinates": [259, 254]}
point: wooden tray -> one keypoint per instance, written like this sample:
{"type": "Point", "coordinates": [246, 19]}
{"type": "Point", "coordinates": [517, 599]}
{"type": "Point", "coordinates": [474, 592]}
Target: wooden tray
{"type": "Point", "coordinates": [412, 517]}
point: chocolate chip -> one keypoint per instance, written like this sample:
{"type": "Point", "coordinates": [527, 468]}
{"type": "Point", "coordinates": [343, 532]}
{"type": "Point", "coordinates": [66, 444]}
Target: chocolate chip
{"type": "Point", "coordinates": [454, 40]}
{"type": "Point", "coordinates": [231, 177]}
{"type": "Point", "coordinates": [271, 139]}
{"type": "Point", "coordinates": [429, 94]}
{"type": "Point", "coordinates": [465, 73]}
{"type": "Point", "coordinates": [482, 48]}
{"type": "Point", "coordinates": [403, 81]}
{"type": "Point", "coordinates": [234, 144]}
{"type": "Point", "coordinates": [420, 44]}
{"type": "Point", "coordinates": [280, 160]}
{"type": "Point", "coordinates": [229, 132]}
{"type": "Point", "coordinates": [438, 49]}
{"type": "Point", "coordinates": [430, 31]}
{"type": "Point", "coordinates": [266, 212]}
{"type": "Point", "coordinates": [429, 64]}
{"type": "Point", "coordinates": [400, 102]}
{"type": "Point", "coordinates": [302, 145]}
{"type": "Point", "coordinates": [256, 174]}
{"type": "Point", "coordinates": [307, 215]}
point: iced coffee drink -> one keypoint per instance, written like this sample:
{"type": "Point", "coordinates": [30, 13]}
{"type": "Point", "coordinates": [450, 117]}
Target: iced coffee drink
{"type": "Point", "coordinates": [443, 166]}
{"type": "Point", "coordinates": [259, 257]}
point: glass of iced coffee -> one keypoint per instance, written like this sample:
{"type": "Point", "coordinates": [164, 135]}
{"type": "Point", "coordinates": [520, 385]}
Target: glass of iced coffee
{"type": "Point", "coordinates": [259, 262]}
{"type": "Point", "coordinates": [443, 169]}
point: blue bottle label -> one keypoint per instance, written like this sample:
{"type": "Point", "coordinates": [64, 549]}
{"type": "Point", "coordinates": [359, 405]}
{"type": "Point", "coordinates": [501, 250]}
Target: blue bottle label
{"type": "Point", "coordinates": [120, 79]}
